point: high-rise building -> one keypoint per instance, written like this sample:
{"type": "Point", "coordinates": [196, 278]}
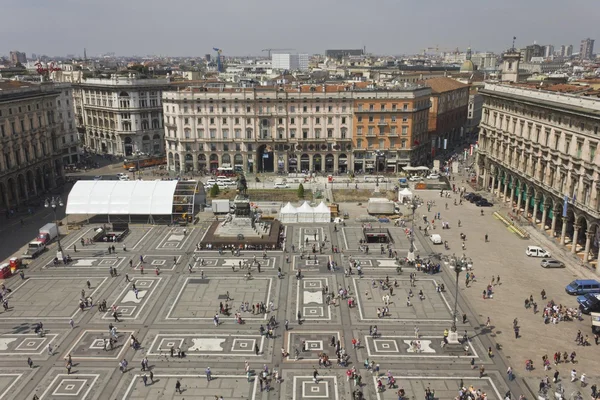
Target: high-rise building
{"type": "Point", "coordinates": [586, 50]}
{"type": "Point", "coordinates": [538, 152]}
{"type": "Point", "coordinates": [290, 62]}
{"type": "Point", "coordinates": [30, 131]}
{"type": "Point", "coordinates": [18, 57]}
{"type": "Point", "coordinates": [533, 50]}
{"type": "Point", "coordinates": [569, 51]}
{"type": "Point", "coordinates": [548, 51]}
{"type": "Point", "coordinates": [563, 50]}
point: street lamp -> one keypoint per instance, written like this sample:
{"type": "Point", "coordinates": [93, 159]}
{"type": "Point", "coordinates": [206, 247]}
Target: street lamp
{"type": "Point", "coordinates": [459, 266]}
{"type": "Point", "coordinates": [411, 252]}
{"type": "Point", "coordinates": [53, 203]}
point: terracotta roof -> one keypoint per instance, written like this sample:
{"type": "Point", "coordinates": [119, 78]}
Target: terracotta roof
{"type": "Point", "coordinates": [443, 84]}
{"type": "Point", "coordinates": [286, 88]}
{"type": "Point", "coordinates": [557, 87]}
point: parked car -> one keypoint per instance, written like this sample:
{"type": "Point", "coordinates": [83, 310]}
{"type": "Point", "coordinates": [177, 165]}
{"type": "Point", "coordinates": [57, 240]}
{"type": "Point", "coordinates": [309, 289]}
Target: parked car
{"type": "Point", "coordinates": [552, 263]}
{"type": "Point", "coordinates": [211, 182]}
{"type": "Point", "coordinates": [475, 198]}
{"type": "Point", "coordinates": [537, 251]}
{"type": "Point", "coordinates": [483, 203]}
{"type": "Point", "coordinates": [433, 176]}
{"type": "Point", "coordinates": [415, 178]}
{"type": "Point", "coordinates": [98, 177]}
{"type": "Point", "coordinates": [583, 286]}
{"type": "Point", "coordinates": [281, 186]}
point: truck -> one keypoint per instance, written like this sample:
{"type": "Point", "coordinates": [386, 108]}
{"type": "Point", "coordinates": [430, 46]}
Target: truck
{"type": "Point", "coordinates": [47, 233]}
{"type": "Point", "coordinates": [380, 206]}
{"type": "Point", "coordinates": [34, 249]}
{"type": "Point", "coordinates": [220, 206]}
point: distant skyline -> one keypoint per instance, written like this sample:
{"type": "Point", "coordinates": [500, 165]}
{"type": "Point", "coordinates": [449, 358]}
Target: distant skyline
{"type": "Point", "coordinates": [245, 27]}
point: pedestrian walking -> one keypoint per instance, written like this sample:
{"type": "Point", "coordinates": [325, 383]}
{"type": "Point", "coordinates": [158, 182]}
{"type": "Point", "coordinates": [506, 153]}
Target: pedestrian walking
{"type": "Point", "coordinates": [178, 387]}
{"type": "Point", "coordinates": [208, 374]}
{"type": "Point", "coordinates": [72, 323]}
{"type": "Point", "coordinates": [30, 362]}
{"type": "Point", "coordinates": [145, 379]}
{"type": "Point", "coordinates": [287, 328]}
{"type": "Point", "coordinates": [50, 349]}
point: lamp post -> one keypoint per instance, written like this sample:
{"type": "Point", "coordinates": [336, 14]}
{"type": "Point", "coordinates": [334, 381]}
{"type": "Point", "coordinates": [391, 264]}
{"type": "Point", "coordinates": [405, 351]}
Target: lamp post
{"type": "Point", "coordinates": [411, 252]}
{"type": "Point", "coordinates": [459, 266]}
{"type": "Point", "coordinates": [54, 203]}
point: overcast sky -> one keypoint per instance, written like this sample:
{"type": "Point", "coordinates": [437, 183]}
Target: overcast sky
{"type": "Point", "coordinates": [245, 27]}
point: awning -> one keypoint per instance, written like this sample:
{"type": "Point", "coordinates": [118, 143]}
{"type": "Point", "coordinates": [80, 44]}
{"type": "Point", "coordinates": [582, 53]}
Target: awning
{"type": "Point", "coordinates": [121, 198]}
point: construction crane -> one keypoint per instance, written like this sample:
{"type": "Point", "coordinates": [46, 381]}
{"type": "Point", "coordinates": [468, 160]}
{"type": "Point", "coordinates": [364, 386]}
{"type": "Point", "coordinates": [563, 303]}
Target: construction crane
{"type": "Point", "coordinates": [219, 64]}
{"type": "Point", "coordinates": [270, 50]}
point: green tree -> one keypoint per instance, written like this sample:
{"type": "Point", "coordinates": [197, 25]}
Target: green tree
{"type": "Point", "coordinates": [214, 191]}
{"type": "Point", "coordinates": [300, 191]}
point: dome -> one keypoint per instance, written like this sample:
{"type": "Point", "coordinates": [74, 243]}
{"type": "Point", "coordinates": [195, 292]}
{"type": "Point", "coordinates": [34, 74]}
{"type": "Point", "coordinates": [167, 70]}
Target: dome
{"type": "Point", "coordinates": [467, 66]}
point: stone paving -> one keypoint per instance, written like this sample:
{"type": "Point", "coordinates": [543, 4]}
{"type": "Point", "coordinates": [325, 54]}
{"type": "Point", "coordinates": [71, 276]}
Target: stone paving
{"type": "Point", "coordinates": [173, 308]}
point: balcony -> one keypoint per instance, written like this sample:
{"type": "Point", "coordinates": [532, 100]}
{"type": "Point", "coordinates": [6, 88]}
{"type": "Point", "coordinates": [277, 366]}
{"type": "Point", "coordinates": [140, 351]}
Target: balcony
{"type": "Point", "coordinates": [372, 134]}
{"type": "Point", "coordinates": [382, 123]}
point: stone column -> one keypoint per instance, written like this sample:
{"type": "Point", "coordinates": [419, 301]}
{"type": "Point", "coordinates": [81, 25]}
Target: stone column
{"type": "Point", "coordinates": [493, 186]}
{"type": "Point", "coordinates": [336, 160]}
{"type": "Point", "coordinates": [535, 210]}
{"type": "Point", "coordinates": [544, 216]}
{"type": "Point", "coordinates": [575, 234]}
{"type": "Point", "coordinates": [519, 199]}
{"type": "Point", "coordinates": [589, 235]}
{"type": "Point", "coordinates": [505, 189]}
{"type": "Point", "coordinates": [485, 179]}
{"type": "Point", "coordinates": [553, 225]}
{"type": "Point", "coordinates": [564, 230]}
{"type": "Point", "coordinates": [526, 208]}
{"type": "Point", "coordinates": [498, 188]}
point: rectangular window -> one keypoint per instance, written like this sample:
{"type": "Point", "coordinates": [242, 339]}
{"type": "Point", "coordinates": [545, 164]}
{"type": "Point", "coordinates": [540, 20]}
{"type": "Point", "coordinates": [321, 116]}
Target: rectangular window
{"type": "Point", "coordinates": [360, 107]}
{"type": "Point", "coordinates": [199, 120]}
{"type": "Point", "coordinates": [393, 130]}
{"type": "Point", "coordinates": [200, 133]}
{"type": "Point", "coordinates": [579, 148]}
{"type": "Point", "coordinates": [225, 133]}
{"type": "Point", "coordinates": [317, 133]}
{"type": "Point", "coordinates": [344, 110]}
{"type": "Point", "coordinates": [592, 153]}
{"type": "Point", "coordinates": [343, 120]}
{"type": "Point", "coordinates": [237, 121]}
{"type": "Point", "coordinates": [212, 121]}
{"type": "Point", "coordinates": [317, 108]}
{"type": "Point", "coordinates": [213, 133]}
{"type": "Point", "coordinates": [292, 133]}
{"type": "Point", "coordinates": [305, 109]}
{"type": "Point", "coordinates": [359, 118]}
{"type": "Point", "coordinates": [211, 109]}
{"type": "Point", "coordinates": [248, 121]}
{"type": "Point", "coordinates": [225, 147]}
{"type": "Point", "coordinates": [318, 121]}
{"type": "Point", "coordinates": [238, 133]}
{"type": "Point", "coordinates": [371, 107]}
{"type": "Point", "coordinates": [305, 134]}
{"type": "Point", "coordinates": [329, 120]}
{"type": "Point", "coordinates": [371, 130]}
{"type": "Point", "coordinates": [330, 108]}
{"type": "Point", "coordinates": [359, 143]}
{"type": "Point", "coordinates": [224, 120]}
{"type": "Point", "coordinates": [381, 131]}
{"type": "Point", "coordinates": [383, 107]}
{"type": "Point", "coordinates": [359, 130]}
{"type": "Point", "coordinates": [292, 121]}
{"type": "Point", "coordinates": [371, 118]}
{"type": "Point", "coordinates": [405, 106]}
{"type": "Point", "coordinates": [292, 108]}
{"type": "Point", "coordinates": [394, 107]}
{"type": "Point", "coordinates": [405, 130]}
{"type": "Point", "coordinates": [223, 109]}
{"type": "Point", "coordinates": [393, 118]}
{"type": "Point", "coordinates": [382, 143]}
{"type": "Point", "coordinates": [280, 121]}
{"type": "Point", "coordinates": [304, 121]}
{"type": "Point", "coordinates": [330, 133]}
{"type": "Point", "coordinates": [248, 109]}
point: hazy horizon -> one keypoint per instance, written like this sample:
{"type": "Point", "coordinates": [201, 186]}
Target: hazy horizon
{"type": "Point", "coordinates": [242, 28]}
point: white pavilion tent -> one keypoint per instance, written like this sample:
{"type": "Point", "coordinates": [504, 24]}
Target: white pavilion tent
{"type": "Point", "coordinates": [404, 195]}
{"type": "Point", "coordinates": [322, 213]}
{"type": "Point", "coordinates": [288, 214]}
{"type": "Point", "coordinates": [305, 213]}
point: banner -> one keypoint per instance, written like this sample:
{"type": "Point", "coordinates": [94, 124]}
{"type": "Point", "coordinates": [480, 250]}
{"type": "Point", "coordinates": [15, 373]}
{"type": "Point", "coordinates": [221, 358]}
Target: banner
{"type": "Point", "coordinates": [565, 205]}
{"type": "Point", "coordinates": [445, 143]}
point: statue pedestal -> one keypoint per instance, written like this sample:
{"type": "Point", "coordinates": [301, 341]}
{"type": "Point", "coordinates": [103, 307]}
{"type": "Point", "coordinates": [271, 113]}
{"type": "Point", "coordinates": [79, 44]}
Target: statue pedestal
{"type": "Point", "coordinates": [453, 338]}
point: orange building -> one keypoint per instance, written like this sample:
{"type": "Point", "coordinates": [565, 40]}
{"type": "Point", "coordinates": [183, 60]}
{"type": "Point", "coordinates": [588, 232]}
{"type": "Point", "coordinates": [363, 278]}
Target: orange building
{"type": "Point", "coordinates": [448, 114]}
{"type": "Point", "coordinates": [390, 128]}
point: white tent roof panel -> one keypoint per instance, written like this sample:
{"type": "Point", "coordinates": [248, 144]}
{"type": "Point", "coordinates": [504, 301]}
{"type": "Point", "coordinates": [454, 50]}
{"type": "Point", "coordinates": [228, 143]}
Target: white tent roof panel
{"type": "Point", "coordinates": [122, 197]}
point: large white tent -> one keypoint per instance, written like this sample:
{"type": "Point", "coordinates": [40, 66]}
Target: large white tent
{"type": "Point", "coordinates": [404, 194]}
{"type": "Point", "coordinates": [288, 214]}
{"type": "Point", "coordinates": [121, 198]}
{"type": "Point", "coordinates": [322, 213]}
{"type": "Point", "coordinates": [305, 213]}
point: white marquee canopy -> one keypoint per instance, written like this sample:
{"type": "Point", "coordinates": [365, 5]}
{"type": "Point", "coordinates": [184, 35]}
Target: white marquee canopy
{"type": "Point", "coordinates": [121, 198]}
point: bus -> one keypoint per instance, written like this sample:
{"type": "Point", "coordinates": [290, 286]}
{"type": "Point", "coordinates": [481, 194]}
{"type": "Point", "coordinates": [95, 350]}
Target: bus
{"type": "Point", "coordinates": [144, 162]}
{"type": "Point", "coordinates": [226, 171]}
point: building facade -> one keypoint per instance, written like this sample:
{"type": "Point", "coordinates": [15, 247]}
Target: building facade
{"type": "Point", "coordinates": [475, 110]}
{"type": "Point", "coordinates": [586, 50]}
{"type": "Point", "coordinates": [30, 131]}
{"type": "Point", "coordinates": [17, 57]}
{"type": "Point", "coordinates": [69, 141]}
{"type": "Point", "coordinates": [448, 114]}
{"type": "Point", "coordinates": [390, 128]}
{"type": "Point", "coordinates": [538, 151]}
{"type": "Point", "coordinates": [291, 128]}
{"type": "Point", "coordinates": [289, 62]}
{"type": "Point", "coordinates": [121, 115]}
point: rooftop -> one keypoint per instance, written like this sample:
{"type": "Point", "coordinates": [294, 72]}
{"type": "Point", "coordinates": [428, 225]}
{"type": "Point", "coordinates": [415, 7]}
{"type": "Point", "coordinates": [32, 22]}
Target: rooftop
{"type": "Point", "coordinates": [443, 84]}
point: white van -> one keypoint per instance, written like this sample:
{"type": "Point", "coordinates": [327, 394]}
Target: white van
{"type": "Point", "coordinates": [373, 178]}
{"type": "Point", "coordinates": [436, 239]}
{"type": "Point", "coordinates": [223, 180]}
{"type": "Point", "coordinates": [536, 251]}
